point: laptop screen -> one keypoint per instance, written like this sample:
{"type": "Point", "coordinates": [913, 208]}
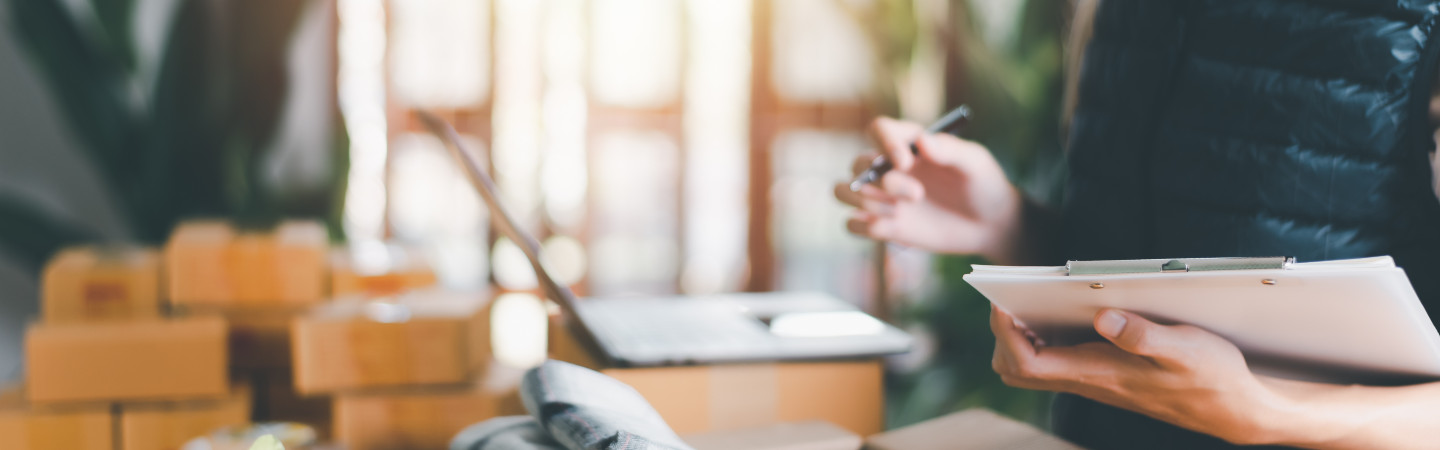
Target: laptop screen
{"type": "Point", "coordinates": [503, 221]}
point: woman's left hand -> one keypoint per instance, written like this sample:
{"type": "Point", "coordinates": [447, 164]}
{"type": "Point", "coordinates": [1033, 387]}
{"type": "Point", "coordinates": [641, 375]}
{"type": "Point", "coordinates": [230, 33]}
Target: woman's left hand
{"type": "Point", "coordinates": [1180, 374]}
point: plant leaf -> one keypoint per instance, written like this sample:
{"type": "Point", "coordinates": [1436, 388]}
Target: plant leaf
{"type": "Point", "coordinates": [89, 84]}
{"type": "Point", "coordinates": [115, 19]}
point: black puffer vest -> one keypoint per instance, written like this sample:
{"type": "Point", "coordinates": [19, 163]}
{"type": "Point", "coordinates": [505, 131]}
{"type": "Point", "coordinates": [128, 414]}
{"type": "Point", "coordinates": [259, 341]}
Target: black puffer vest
{"type": "Point", "coordinates": [1210, 128]}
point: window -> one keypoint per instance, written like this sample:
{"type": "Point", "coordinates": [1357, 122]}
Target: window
{"type": "Point", "coordinates": [654, 146]}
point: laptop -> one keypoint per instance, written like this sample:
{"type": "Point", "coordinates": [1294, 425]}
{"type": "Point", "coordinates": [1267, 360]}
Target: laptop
{"type": "Point", "coordinates": [679, 330]}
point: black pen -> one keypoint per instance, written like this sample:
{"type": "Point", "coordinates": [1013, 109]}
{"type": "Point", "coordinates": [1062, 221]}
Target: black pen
{"type": "Point", "coordinates": [952, 121]}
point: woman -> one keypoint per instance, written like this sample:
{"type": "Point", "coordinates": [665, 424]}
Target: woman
{"type": "Point", "coordinates": [1203, 128]}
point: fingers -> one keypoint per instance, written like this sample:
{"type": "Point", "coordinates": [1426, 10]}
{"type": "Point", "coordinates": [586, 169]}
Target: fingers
{"type": "Point", "coordinates": [893, 186]}
{"type": "Point", "coordinates": [1008, 334]}
{"type": "Point", "coordinates": [847, 196]}
{"type": "Point", "coordinates": [952, 151]}
{"type": "Point", "coordinates": [1015, 359]}
{"type": "Point", "coordinates": [1090, 367]}
{"type": "Point", "coordinates": [870, 198]}
{"type": "Point", "coordinates": [894, 138]}
{"type": "Point", "coordinates": [1435, 109]}
{"type": "Point", "coordinates": [895, 183]}
{"type": "Point", "coordinates": [902, 186]}
{"type": "Point", "coordinates": [870, 225]}
{"type": "Point", "coordinates": [1136, 334]}
{"type": "Point", "coordinates": [862, 163]}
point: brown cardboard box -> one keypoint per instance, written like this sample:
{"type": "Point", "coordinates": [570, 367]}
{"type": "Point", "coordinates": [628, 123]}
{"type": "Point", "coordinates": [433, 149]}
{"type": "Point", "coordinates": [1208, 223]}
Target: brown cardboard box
{"type": "Point", "coordinates": [136, 360]}
{"type": "Point", "coordinates": [697, 399]}
{"type": "Point", "coordinates": [424, 418]}
{"type": "Point", "coordinates": [250, 265]}
{"type": "Point", "coordinates": [694, 399]}
{"type": "Point", "coordinates": [69, 427]}
{"type": "Point", "coordinates": [195, 262]}
{"type": "Point", "coordinates": [814, 435]}
{"type": "Point", "coordinates": [977, 429]}
{"type": "Point", "coordinates": [95, 283]}
{"type": "Point", "coordinates": [209, 262]}
{"type": "Point", "coordinates": [383, 270]}
{"type": "Point", "coordinates": [300, 265]}
{"type": "Point", "coordinates": [416, 338]}
{"type": "Point", "coordinates": [168, 425]}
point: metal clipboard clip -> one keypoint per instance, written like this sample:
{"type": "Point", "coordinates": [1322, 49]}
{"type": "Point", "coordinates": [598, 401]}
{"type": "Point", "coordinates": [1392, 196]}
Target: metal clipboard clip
{"type": "Point", "coordinates": [1127, 266]}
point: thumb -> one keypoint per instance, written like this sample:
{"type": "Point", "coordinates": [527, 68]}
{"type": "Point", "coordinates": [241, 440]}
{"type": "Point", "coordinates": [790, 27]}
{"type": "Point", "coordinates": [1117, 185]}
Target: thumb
{"type": "Point", "coordinates": [895, 137]}
{"type": "Point", "coordinates": [1131, 332]}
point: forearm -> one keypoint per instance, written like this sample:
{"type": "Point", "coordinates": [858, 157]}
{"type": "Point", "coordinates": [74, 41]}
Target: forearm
{"type": "Point", "coordinates": [1320, 415]}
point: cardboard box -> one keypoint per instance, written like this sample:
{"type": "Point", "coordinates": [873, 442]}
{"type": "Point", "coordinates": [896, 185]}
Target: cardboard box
{"type": "Point", "coordinates": [977, 429]}
{"type": "Point", "coordinates": [424, 418]}
{"type": "Point", "coordinates": [814, 435]}
{"type": "Point", "coordinates": [28, 427]}
{"type": "Point", "coordinates": [417, 338]}
{"type": "Point", "coordinates": [115, 361]}
{"type": "Point", "coordinates": [300, 266]}
{"type": "Point", "coordinates": [697, 399]}
{"type": "Point", "coordinates": [209, 262]}
{"type": "Point", "coordinates": [100, 283]}
{"type": "Point", "coordinates": [378, 270]}
{"type": "Point", "coordinates": [195, 262]}
{"type": "Point", "coordinates": [276, 400]}
{"type": "Point", "coordinates": [563, 346]}
{"type": "Point", "coordinates": [694, 399]}
{"type": "Point", "coordinates": [169, 425]}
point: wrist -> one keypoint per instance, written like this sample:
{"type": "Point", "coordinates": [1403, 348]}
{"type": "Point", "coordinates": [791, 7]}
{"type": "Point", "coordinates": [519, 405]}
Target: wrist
{"type": "Point", "coordinates": [1289, 415]}
{"type": "Point", "coordinates": [1027, 237]}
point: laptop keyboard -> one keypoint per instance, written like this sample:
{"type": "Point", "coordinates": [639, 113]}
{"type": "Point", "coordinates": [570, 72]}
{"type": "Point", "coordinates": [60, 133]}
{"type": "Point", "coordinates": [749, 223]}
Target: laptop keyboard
{"type": "Point", "coordinates": [676, 330]}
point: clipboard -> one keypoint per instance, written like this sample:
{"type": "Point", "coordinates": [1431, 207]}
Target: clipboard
{"type": "Point", "coordinates": [1343, 321]}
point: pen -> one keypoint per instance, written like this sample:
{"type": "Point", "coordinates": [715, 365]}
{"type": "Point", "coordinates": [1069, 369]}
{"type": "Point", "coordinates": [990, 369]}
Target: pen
{"type": "Point", "coordinates": [952, 121]}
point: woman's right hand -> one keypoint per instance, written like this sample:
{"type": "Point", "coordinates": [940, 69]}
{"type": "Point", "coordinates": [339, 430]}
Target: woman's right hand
{"type": "Point", "coordinates": [951, 198]}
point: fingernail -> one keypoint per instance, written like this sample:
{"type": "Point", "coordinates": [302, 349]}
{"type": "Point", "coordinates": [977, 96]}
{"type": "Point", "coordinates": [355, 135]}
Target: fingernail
{"type": "Point", "coordinates": [1110, 324]}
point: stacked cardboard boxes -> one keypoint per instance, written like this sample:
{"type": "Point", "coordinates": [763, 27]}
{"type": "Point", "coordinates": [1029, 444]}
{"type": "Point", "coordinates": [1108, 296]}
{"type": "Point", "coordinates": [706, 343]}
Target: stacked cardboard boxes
{"type": "Point", "coordinates": [26, 426]}
{"type": "Point", "coordinates": [406, 370]}
{"type": "Point", "coordinates": [259, 281]}
{"type": "Point", "coordinates": [106, 364]}
{"type": "Point", "coordinates": [212, 263]}
{"type": "Point", "coordinates": [166, 425]}
{"type": "Point", "coordinates": [144, 349]}
{"type": "Point", "coordinates": [425, 417]}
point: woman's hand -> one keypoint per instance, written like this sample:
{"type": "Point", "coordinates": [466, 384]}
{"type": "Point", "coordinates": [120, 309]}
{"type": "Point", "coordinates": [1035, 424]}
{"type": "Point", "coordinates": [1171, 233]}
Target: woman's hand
{"type": "Point", "coordinates": [952, 198]}
{"type": "Point", "coordinates": [1179, 374]}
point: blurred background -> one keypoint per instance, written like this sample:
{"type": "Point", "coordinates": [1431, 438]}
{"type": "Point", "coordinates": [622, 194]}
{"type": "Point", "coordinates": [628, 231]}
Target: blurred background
{"type": "Point", "coordinates": [656, 146]}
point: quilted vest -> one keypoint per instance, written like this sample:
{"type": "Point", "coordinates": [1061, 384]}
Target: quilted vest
{"type": "Point", "coordinates": [1211, 128]}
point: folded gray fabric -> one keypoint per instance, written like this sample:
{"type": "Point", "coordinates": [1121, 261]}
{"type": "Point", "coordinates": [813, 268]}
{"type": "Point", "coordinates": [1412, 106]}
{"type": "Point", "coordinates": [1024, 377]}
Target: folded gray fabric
{"type": "Point", "coordinates": [573, 408]}
{"type": "Point", "coordinates": [586, 410]}
{"type": "Point", "coordinates": [505, 433]}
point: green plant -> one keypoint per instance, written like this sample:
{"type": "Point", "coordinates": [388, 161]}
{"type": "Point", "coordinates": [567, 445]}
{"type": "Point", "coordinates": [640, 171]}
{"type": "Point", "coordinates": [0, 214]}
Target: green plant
{"type": "Point", "coordinates": [177, 130]}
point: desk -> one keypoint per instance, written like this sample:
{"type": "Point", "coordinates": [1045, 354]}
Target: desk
{"type": "Point", "coordinates": [696, 399]}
